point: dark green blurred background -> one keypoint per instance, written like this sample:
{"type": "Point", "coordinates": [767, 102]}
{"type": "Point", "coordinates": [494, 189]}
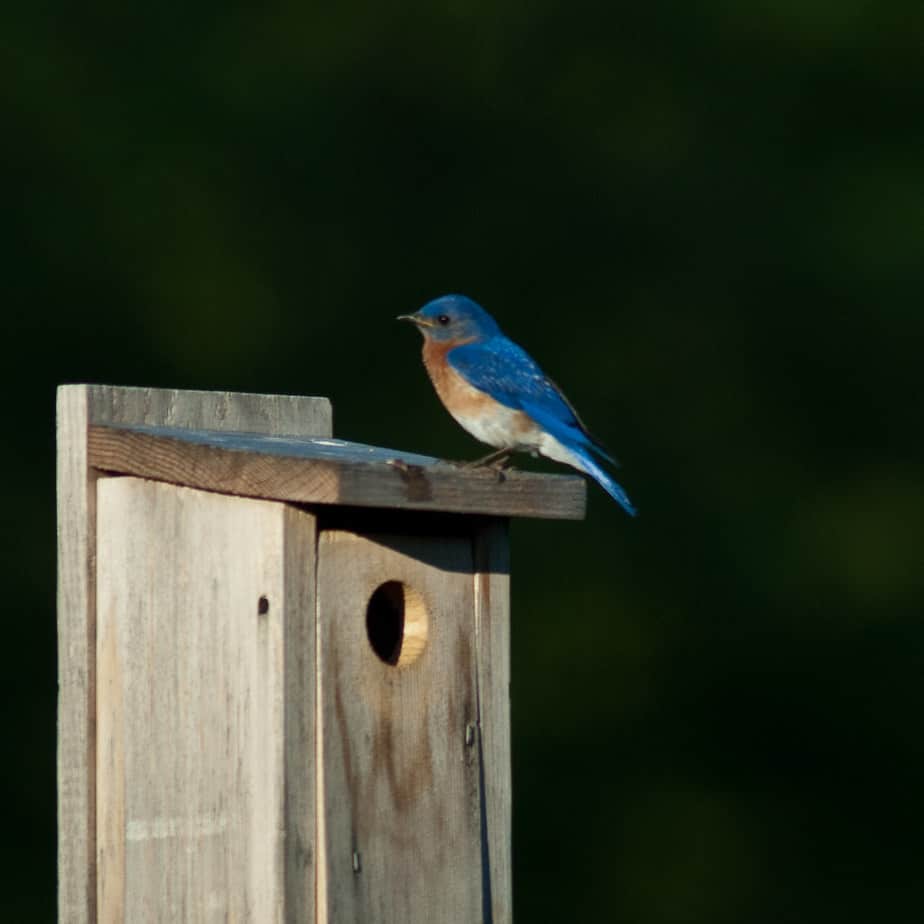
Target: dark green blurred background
{"type": "Point", "coordinates": [706, 222]}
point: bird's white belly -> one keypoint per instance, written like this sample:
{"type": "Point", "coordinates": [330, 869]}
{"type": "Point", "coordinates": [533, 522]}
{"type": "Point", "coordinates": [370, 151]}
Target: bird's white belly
{"type": "Point", "coordinates": [501, 427]}
{"type": "Point", "coordinates": [509, 429]}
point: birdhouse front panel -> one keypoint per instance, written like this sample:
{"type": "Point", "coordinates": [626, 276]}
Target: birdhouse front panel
{"type": "Point", "coordinates": [398, 710]}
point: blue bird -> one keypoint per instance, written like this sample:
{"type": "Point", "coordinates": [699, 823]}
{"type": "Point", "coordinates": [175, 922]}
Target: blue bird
{"type": "Point", "coordinates": [497, 392]}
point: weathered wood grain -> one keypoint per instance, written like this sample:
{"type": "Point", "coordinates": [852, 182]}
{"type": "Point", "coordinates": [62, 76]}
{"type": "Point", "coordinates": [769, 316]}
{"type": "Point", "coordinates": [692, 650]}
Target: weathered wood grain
{"type": "Point", "coordinates": [301, 785]}
{"type": "Point", "coordinates": [278, 415]}
{"type": "Point", "coordinates": [76, 663]}
{"type": "Point", "coordinates": [200, 597]}
{"type": "Point", "coordinates": [79, 407]}
{"type": "Point", "coordinates": [327, 471]}
{"type": "Point", "coordinates": [399, 804]}
{"type": "Point", "coordinates": [492, 629]}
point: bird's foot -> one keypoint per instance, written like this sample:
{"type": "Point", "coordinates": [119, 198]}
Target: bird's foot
{"type": "Point", "coordinates": [497, 462]}
{"type": "Point", "coordinates": [497, 459]}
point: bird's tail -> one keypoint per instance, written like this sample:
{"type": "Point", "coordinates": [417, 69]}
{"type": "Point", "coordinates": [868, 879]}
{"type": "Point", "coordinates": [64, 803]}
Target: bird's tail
{"type": "Point", "coordinates": [609, 484]}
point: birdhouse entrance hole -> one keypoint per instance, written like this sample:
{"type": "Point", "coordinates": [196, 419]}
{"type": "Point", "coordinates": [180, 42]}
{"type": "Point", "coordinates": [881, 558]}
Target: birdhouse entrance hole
{"type": "Point", "coordinates": [397, 623]}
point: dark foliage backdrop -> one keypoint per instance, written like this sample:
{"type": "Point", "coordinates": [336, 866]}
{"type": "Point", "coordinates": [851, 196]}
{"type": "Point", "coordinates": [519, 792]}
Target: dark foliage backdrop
{"type": "Point", "coordinates": [705, 220]}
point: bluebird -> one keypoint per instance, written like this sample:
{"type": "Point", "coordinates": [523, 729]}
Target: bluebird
{"type": "Point", "coordinates": [497, 392]}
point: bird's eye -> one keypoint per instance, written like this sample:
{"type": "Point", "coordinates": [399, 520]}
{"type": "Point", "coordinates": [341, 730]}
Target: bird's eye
{"type": "Point", "coordinates": [443, 319]}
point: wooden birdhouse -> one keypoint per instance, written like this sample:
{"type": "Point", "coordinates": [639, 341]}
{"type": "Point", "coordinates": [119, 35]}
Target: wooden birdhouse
{"type": "Point", "coordinates": [283, 666]}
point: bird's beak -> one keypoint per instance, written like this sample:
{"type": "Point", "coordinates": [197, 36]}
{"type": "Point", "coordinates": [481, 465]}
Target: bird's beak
{"type": "Point", "coordinates": [415, 319]}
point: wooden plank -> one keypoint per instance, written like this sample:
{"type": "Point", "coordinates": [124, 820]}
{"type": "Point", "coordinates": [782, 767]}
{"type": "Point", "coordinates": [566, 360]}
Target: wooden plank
{"type": "Point", "coordinates": [79, 406]}
{"type": "Point", "coordinates": [492, 628]}
{"type": "Point", "coordinates": [326, 471]}
{"type": "Point", "coordinates": [399, 803]}
{"type": "Point", "coordinates": [76, 538]}
{"type": "Point", "coordinates": [276, 415]}
{"type": "Point", "coordinates": [299, 622]}
{"type": "Point", "coordinates": [198, 600]}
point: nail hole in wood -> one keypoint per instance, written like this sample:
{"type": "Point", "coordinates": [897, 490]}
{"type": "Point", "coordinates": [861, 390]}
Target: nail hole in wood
{"type": "Point", "coordinates": [262, 605]}
{"type": "Point", "coordinates": [397, 623]}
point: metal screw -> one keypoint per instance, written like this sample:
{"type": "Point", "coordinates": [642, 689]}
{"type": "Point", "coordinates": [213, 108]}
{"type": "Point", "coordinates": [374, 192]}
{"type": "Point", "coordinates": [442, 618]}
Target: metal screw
{"type": "Point", "coordinates": [469, 734]}
{"type": "Point", "coordinates": [356, 866]}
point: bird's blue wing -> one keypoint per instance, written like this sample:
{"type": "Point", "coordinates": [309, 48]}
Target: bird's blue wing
{"type": "Point", "coordinates": [511, 376]}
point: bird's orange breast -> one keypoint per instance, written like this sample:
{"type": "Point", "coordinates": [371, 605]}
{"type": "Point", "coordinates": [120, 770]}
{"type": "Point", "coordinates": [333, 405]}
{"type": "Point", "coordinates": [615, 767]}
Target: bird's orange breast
{"type": "Point", "coordinates": [458, 396]}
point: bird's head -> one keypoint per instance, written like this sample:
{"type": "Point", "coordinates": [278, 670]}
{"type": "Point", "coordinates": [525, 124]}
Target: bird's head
{"type": "Point", "coordinates": [453, 318]}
